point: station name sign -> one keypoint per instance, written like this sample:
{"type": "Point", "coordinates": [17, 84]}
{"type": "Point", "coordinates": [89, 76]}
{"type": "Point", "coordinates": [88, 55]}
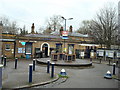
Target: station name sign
{"type": "Point", "coordinates": [64, 33]}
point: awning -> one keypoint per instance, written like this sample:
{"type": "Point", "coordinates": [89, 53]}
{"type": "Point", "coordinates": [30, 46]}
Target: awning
{"type": "Point", "coordinates": [88, 45]}
{"type": "Point", "coordinates": [12, 40]}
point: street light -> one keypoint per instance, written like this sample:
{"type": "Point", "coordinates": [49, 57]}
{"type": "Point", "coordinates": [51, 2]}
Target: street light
{"type": "Point", "coordinates": [65, 20]}
{"type": "Point", "coordinates": [65, 27]}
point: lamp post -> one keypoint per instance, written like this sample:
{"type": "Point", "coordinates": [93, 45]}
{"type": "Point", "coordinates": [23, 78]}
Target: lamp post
{"type": "Point", "coordinates": [65, 20]}
{"type": "Point", "coordinates": [65, 26]}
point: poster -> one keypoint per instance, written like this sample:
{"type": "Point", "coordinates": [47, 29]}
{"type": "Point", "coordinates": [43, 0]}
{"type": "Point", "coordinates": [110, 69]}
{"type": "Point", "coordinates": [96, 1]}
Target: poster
{"type": "Point", "coordinates": [106, 53]}
{"type": "Point", "coordinates": [118, 54]}
{"type": "Point", "coordinates": [82, 54]}
{"type": "Point", "coordinates": [92, 54]}
{"type": "Point", "coordinates": [101, 53]}
{"type": "Point", "coordinates": [28, 50]}
{"type": "Point", "coordinates": [111, 54]}
{"type": "Point", "coordinates": [21, 50]}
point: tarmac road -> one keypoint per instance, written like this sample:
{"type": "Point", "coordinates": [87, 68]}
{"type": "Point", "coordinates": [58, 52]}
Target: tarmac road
{"type": "Point", "coordinates": [85, 78]}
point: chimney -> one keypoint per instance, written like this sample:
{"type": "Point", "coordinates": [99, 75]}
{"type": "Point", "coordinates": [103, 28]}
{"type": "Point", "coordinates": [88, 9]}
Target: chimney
{"type": "Point", "coordinates": [61, 29]}
{"type": "Point", "coordinates": [32, 29]}
{"type": "Point", "coordinates": [70, 29]}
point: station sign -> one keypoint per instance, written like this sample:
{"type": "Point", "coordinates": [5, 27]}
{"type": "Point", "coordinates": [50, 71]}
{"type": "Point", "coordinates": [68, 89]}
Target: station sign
{"type": "Point", "coordinates": [64, 33]}
{"type": "Point", "coordinates": [64, 37]}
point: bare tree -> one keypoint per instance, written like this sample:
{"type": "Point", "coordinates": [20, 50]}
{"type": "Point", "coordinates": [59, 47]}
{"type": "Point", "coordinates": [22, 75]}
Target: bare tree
{"type": "Point", "coordinates": [103, 28]}
{"type": "Point", "coordinates": [23, 30]}
{"type": "Point", "coordinates": [54, 22]}
{"type": "Point", "coordinates": [84, 27]}
{"type": "Point", "coordinates": [41, 30]}
{"type": "Point", "coordinates": [47, 31]}
{"type": "Point", "coordinates": [9, 26]}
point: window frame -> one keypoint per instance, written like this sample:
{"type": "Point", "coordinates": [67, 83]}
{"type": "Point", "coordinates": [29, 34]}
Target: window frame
{"type": "Point", "coordinates": [6, 48]}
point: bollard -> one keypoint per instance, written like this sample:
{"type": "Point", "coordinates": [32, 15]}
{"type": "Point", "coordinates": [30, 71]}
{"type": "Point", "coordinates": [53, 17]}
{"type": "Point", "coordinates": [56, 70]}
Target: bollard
{"type": "Point", "coordinates": [1, 76]}
{"type": "Point", "coordinates": [4, 61]}
{"type": "Point", "coordinates": [16, 59]}
{"type": "Point", "coordinates": [100, 60]}
{"type": "Point", "coordinates": [114, 68]}
{"type": "Point", "coordinates": [90, 59]}
{"type": "Point", "coordinates": [109, 62]}
{"type": "Point", "coordinates": [2, 57]}
{"type": "Point", "coordinates": [48, 66]}
{"type": "Point", "coordinates": [30, 73]}
{"type": "Point", "coordinates": [33, 64]}
{"type": "Point", "coordinates": [52, 70]}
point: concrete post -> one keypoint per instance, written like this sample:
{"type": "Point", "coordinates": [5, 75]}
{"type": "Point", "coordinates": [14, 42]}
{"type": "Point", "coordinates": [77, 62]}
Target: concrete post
{"type": "Point", "coordinates": [34, 64]}
{"type": "Point", "coordinates": [114, 68]}
{"type": "Point", "coordinates": [48, 66]}
{"type": "Point", "coordinates": [52, 70]}
{"type": "Point", "coordinates": [30, 73]}
{"type": "Point", "coordinates": [1, 76]}
{"type": "Point", "coordinates": [16, 59]}
{"type": "Point", "coordinates": [4, 61]}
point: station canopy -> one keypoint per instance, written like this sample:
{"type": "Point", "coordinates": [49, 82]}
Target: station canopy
{"type": "Point", "coordinates": [89, 45]}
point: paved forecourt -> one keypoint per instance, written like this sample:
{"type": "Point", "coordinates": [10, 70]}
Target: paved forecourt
{"type": "Point", "coordinates": [19, 78]}
{"type": "Point", "coordinates": [76, 63]}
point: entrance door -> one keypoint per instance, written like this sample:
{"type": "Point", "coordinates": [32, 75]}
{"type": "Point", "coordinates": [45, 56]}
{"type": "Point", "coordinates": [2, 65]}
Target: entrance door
{"type": "Point", "coordinates": [45, 50]}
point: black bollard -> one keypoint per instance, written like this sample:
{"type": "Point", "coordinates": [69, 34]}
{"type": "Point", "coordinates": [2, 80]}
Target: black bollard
{"type": "Point", "coordinates": [114, 68]}
{"type": "Point", "coordinates": [4, 61]}
{"type": "Point", "coordinates": [100, 60]}
{"type": "Point", "coordinates": [48, 66]}
{"type": "Point", "coordinates": [16, 59]}
{"type": "Point", "coordinates": [30, 73]}
{"type": "Point", "coordinates": [90, 59]}
{"type": "Point", "coordinates": [2, 57]}
{"type": "Point", "coordinates": [109, 62]}
{"type": "Point", "coordinates": [52, 70]}
{"type": "Point", "coordinates": [33, 64]}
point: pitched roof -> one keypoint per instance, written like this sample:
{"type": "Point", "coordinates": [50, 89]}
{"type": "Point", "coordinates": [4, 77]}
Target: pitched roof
{"type": "Point", "coordinates": [72, 34]}
{"type": "Point", "coordinates": [42, 35]}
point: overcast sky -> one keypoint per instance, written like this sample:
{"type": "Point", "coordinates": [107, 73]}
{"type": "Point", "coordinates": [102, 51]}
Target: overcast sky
{"type": "Point", "coordinates": [26, 12]}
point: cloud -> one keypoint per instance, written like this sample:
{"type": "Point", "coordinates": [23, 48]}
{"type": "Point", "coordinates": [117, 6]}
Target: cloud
{"type": "Point", "coordinates": [37, 11]}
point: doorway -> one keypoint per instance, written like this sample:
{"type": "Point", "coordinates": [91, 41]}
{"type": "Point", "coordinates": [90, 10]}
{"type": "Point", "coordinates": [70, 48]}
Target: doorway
{"type": "Point", "coordinates": [45, 50]}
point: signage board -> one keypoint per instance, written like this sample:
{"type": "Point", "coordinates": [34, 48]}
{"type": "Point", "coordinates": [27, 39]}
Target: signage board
{"type": "Point", "coordinates": [118, 55]}
{"type": "Point", "coordinates": [101, 53]}
{"type": "Point", "coordinates": [111, 54]}
{"type": "Point", "coordinates": [82, 54]}
{"type": "Point", "coordinates": [23, 43]}
{"type": "Point", "coordinates": [64, 37]}
{"type": "Point", "coordinates": [106, 53]}
{"type": "Point", "coordinates": [21, 50]}
{"type": "Point", "coordinates": [92, 54]}
{"type": "Point", "coordinates": [64, 33]}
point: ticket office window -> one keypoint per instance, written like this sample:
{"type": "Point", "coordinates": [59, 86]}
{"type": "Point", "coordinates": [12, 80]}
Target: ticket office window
{"type": "Point", "coordinates": [70, 48]}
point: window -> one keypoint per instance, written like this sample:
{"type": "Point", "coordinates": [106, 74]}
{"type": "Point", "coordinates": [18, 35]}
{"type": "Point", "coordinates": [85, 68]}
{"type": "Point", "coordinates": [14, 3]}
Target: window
{"type": "Point", "coordinates": [70, 48]}
{"type": "Point", "coordinates": [7, 47]}
{"type": "Point", "coordinates": [59, 48]}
